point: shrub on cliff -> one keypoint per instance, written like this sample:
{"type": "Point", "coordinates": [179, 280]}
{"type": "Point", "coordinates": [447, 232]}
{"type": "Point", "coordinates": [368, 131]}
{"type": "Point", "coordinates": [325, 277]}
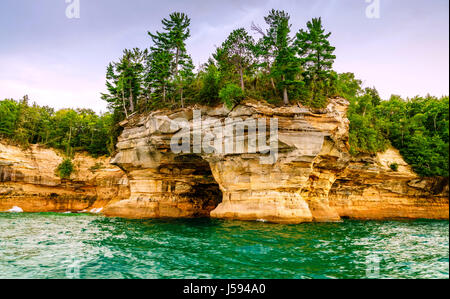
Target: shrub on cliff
{"type": "Point", "coordinates": [231, 95]}
{"type": "Point", "coordinates": [394, 167]}
{"type": "Point", "coordinates": [366, 133]}
{"type": "Point", "coordinates": [65, 169]}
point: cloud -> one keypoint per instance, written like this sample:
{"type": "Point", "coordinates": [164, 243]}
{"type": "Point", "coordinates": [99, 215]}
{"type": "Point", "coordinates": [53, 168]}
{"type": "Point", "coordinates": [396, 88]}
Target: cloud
{"type": "Point", "coordinates": [55, 85]}
{"type": "Point", "coordinates": [62, 63]}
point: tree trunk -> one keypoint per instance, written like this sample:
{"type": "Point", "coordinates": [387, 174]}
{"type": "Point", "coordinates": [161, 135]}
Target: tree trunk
{"type": "Point", "coordinates": [131, 101]}
{"type": "Point", "coordinates": [124, 104]}
{"type": "Point", "coordinates": [285, 93]}
{"type": "Point", "coordinates": [164, 92]}
{"type": "Point", "coordinates": [241, 74]}
{"type": "Point", "coordinates": [177, 60]}
{"type": "Point", "coordinates": [182, 99]}
{"type": "Point", "coordinates": [273, 85]}
{"type": "Point", "coordinates": [285, 96]}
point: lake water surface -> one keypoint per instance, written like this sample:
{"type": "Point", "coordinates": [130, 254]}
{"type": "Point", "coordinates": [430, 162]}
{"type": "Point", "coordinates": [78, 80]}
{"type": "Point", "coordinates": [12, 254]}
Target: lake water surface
{"type": "Point", "coordinates": [51, 245]}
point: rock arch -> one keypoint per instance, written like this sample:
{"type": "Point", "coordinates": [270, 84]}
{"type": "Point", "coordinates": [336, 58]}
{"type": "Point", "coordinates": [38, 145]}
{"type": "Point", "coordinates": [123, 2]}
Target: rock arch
{"type": "Point", "coordinates": [312, 148]}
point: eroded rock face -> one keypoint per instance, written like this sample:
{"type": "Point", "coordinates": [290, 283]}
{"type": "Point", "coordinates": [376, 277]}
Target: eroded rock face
{"type": "Point", "coordinates": [313, 178]}
{"type": "Point", "coordinates": [293, 189]}
{"type": "Point", "coordinates": [369, 189]}
{"type": "Point", "coordinates": [28, 180]}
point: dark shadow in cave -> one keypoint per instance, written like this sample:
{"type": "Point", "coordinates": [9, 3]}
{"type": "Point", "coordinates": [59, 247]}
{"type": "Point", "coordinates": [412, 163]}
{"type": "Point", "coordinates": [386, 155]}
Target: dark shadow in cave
{"type": "Point", "coordinates": [205, 191]}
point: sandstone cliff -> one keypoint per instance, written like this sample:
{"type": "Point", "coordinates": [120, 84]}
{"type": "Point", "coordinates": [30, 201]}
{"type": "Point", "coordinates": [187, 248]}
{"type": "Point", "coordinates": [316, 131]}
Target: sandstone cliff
{"type": "Point", "coordinates": [28, 181]}
{"type": "Point", "coordinates": [313, 178]}
{"type": "Point", "coordinates": [369, 189]}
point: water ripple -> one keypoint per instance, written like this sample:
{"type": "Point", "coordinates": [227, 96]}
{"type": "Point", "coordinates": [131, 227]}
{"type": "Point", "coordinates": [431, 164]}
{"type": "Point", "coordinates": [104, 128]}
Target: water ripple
{"type": "Point", "coordinates": [53, 245]}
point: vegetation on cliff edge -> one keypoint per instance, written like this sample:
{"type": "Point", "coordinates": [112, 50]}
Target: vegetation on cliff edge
{"type": "Point", "coordinates": [67, 130]}
{"type": "Point", "coordinates": [418, 127]}
{"type": "Point", "coordinates": [278, 66]}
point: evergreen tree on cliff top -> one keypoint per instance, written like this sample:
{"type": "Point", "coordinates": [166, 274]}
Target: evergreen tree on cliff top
{"type": "Point", "coordinates": [158, 74]}
{"type": "Point", "coordinates": [236, 53]}
{"type": "Point", "coordinates": [124, 81]}
{"type": "Point", "coordinates": [278, 51]}
{"type": "Point", "coordinates": [287, 65]}
{"type": "Point", "coordinates": [316, 55]}
{"type": "Point", "coordinates": [171, 44]}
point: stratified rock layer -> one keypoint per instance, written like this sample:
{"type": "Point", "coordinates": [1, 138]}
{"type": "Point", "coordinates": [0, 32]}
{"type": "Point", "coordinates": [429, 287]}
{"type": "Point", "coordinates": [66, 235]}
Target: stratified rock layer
{"type": "Point", "coordinates": [313, 179]}
{"type": "Point", "coordinates": [369, 189]}
{"type": "Point", "coordinates": [28, 181]}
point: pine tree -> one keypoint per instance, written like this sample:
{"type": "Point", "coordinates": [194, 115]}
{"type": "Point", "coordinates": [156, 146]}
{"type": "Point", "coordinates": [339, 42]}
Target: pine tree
{"type": "Point", "coordinates": [287, 65]}
{"type": "Point", "coordinates": [185, 76]}
{"type": "Point", "coordinates": [278, 51]}
{"type": "Point", "coordinates": [170, 45]}
{"type": "Point", "coordinates": [237, 53]}
{"type": "Point", "coordinates": [316, 55]}
{"type": "Point", "coordinates": [266, 48]}
{"type": "Point", "coordinates": [158, 74]}
{"type": "Point", "coordinates": [125, 81]}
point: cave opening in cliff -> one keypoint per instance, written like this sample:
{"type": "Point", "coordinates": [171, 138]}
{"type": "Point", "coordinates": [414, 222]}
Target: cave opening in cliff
{"type": "Point", "coordinates": [204, 190]}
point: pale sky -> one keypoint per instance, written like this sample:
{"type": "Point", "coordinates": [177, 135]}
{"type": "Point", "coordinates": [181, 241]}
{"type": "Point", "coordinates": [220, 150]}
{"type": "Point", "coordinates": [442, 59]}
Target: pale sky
{"type": "Point", "coordinates": [61, 62]}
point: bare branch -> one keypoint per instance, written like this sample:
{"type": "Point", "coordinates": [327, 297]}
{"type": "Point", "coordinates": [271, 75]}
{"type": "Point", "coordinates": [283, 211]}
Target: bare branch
{"type": "Point", "coordinates": [257, 29]}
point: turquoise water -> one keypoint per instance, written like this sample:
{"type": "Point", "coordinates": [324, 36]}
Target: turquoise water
{"type": "Point", "coordinates": [84, 246]}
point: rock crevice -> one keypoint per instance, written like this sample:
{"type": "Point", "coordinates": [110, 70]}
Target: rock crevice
{"type": "Point", "coordinates": [313, 178]}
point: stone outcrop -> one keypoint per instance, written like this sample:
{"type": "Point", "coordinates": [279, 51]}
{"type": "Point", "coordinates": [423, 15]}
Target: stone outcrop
{"type": "Point", "coordinates": [28, 180]}
{"type": "Point", "coordinates": [310, 177]}
{"type": "Point", "coordinates": [314, 178]}
{"type": "Point", "coordinates": [370, 189]}
{"type": "Point", "coordinates": [233, 185]}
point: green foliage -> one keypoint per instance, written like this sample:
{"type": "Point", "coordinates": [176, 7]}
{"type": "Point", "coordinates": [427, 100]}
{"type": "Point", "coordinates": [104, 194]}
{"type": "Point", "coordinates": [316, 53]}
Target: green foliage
{"type": "Point", "coordinates": [231, 95]}
{"type": "Point", "coordinates": [365, 127]}
{"type": "Point", "coordinates": [394, 167]}
{"type": "Point", "coordinates": [418, 127]}
{"type": "Point", "coordinates": [235, 57]}
{"type": "Point", "coordinates": [9, 110]}
{"type": "Point", "coordinates": [347, 86]}
{"type": "Point", "coordinates": [169, 65]}
{"type": "Point", "coordinates": [67, 129]}
{"type": "Point", "coordinates": [317, 59]}
{"type": "Point", "coordinates": [65, 169]}
{"type": "Point", "coordinates": [209, 80]}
